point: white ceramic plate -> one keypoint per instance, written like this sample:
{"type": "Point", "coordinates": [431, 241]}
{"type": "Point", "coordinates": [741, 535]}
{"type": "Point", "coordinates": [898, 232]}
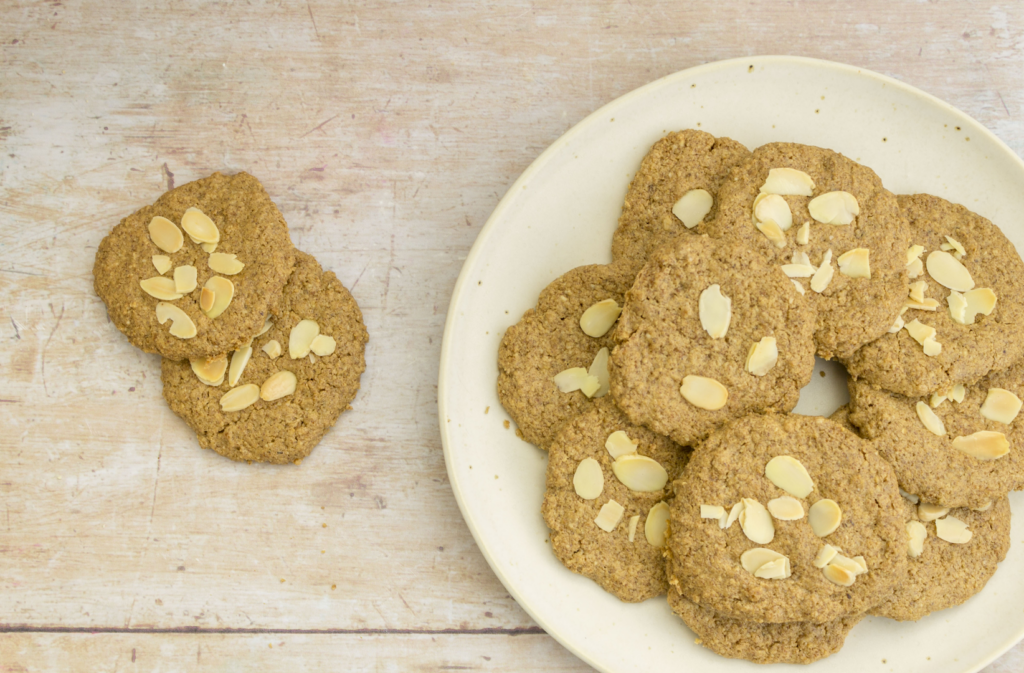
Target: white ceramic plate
{"type": "Point", "coordinates": [561, 213]}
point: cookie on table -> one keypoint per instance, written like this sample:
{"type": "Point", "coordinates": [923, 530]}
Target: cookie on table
{"type": "Point", "coordinates": [945, 571]}
{"type": "Point", "coordinates": [682, 164]}
{"type": "Point", "coordinates": [982, 265]}
{"type": "Point", "coordinates": [782, 643]}
{"type": "Point", "coordinates": [198, 304]}
{"type": "Point", "coordinates": [549, 340]}
{"type": "Point", "coordinates": [947, 462]}
{"type": "Point", "coordinates": [800, 206]}
{"type": "Point", "coordinates": [261, 404]}
{"type": "Point", "coordinates": [584, 480]}
{"type": "Point", "coordinates": [832, 544]}
{"type": "Point", "coordinates": [683, 375]}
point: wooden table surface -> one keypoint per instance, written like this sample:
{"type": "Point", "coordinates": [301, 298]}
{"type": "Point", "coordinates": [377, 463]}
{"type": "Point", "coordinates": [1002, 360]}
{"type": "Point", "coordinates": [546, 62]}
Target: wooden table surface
{"type": "Point", "coordinates": [386, 133]}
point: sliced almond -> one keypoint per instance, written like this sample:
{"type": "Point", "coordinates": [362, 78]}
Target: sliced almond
{"type": "Point", "coordinates": [834, 208]}
{"type": "Point", "coordinates": [825, 556]}
{"type": "Point", "coordinates": [929, 304]}
{"type": "Point", "coordinates": [633, 521]}
{"type": "Point", "coordinates": [984, 508]}
{"type": "Point", "coordinates": [803, 234]}
{"type": "Point", "coordinates": [704, 393]}
{"type": "Point", "coordinates": [619, 444]}
{"type": "Point", "coordinates": [223, 290]}
{"type": "Point", "coordinates": [210, 370]}
{"type": "Point", "coordinates": [693, 207]}
{"type": "Point", "coordinates": [914, 252]}
{"type": "Point", "coordinates": [983, 445]}
{"type": "Point", "coordinates": [931, 422]}
{"type": "Point", "coordinates": [715, 512]}
{"type": "Point", "coordinates": [931, 347]}
{"type": "Point", "coordinates": [181, 325]}
{"type": "Point", "coordinates": [300, 339]}
{"type": "Point", "coordinates": [756, 522]}
{"type": "Point", "coordinates": [239, 398]}
{"type": "Point", "coordinates": [225, 263]}
{"type": "Point", "coordinates": [957, 307]}
{"type": "Point", "coordinates": [734, 514]}
{"type": "Point", "coordinates": [915, 269]}
{"type": "Point", "coordinates": [640, 473]}
{"type": "Point", "coordinates": [788, 182]}
{"type": "Point", "coordinates": [762, 356]}
{"type": "Point", "coordinates": [848, 564]}
{"type": "Point", "coordinates": [165, 235]}
{"type": "Point", "coordinates": [267, 324]}
{"type": "Point", "coordinates": [774, 570]}
{"type": "Point", "coordinates": [790, 475]}
{"type": "Point", "coordinates": [588, 480]}
{"type": "Point", "coordinates": [1001, 406]}
{"type": "Point", "coordinates": [928, 512]}
{"type": "Point", "coordinates": [599, 371]}
{"type": "Point", "coordinates": [599, 318]}
{"type": "Point", "coordinates": [917, 291]}
{"type": "Point", "coordinates": [774, 208]}
{"type": "Point", "coordinates": [609, 516]}
{"type": "Point", "coordinates": [162, 263]}
{"type": "Point", "coordinates": [185, 279]}
{"type": "Point", "coordinates": [897, 326]}
{"type": "Point", "coordinates": [323, 345]}
{"type": "Point", "coordinates": [199, 226]}
{"type": "Point", "coordinates": [800, 257]}
{"type": "Point", "coordinates": [576, 378]}
{"type": "Point", "coordinates": [824, 517]}
{"type": "Point", "coordinates": [953, 530]}
{"type": "Point", "coordinates": [798, 286]}
{"type": "Point", "coordinates": [239, 359]}
{"type": "Point", "coordinates": [823, 276]}
{"type": "Point", "coordinates": [715, 310]}
{"type": "Point", "coordinates": [948, 271]}
{"type": "Point", "coordinates": [981, 300]}
{"type": "Point", "coordinates": [953, 244]}
{"type": "Point", "coordinates": [208, 248]}
{"type": "Point", "coordinates": [919, 331]}
{"type": "Point", "coordinates": [272, 348]}
{"type": "Point", "coordinates": [798, 270]}
{"type": "Point", "coordinates": [958, 393]}
{"type": "Point", "coordinates": [656, 525]}
{"type": "Point", "coordinates": [773, 232]}
{"type": "Point", "coordinates": [936, 400]}
{"type": "Point", "coordinates": [917, 533]}
{"type": "Point", "coordinates": [160, 287]}
{"type": "Point", "coordinates": [910, 497]}
{"type": "Point", "coordinates": [786, 508]}
{"type": "Point", "coordinates": [838, 575]}
{"type": "Point", "coordinates": [752, 559]}
{"type": "Point", "coordinates": [855, 263]}
{"type": "Point", "coordinates": [206, 299]}
{"type": "Point", "coordinates": [279, 385]}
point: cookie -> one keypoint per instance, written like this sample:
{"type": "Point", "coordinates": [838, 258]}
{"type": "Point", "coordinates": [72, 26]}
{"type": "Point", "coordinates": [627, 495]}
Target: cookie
{"type": "Point", "coordinates": [678, 164]}
{"type": "Point", "coordinates": [623, 561]}
{"type": "Point", "coordinates": [248, 225]}
{"type": "Point", "coordinates": [930, 465]}
{"type": "Point", "coordinates": [859, 295]}
{"type": "Point", "coordinates": [669, 373]}
{"type": "Point", "coordinates": [899, 362]}
{"type": "Point", "coordinates": [783, 643]}
{"type": "Point", "coordinates": [549, 340]}
{"type": "Point", "coordinates": [284, 429]}
{"type": "Point", "coordinates": [734, 466]}
{"type": "Point", "coordinates": [943, 573]}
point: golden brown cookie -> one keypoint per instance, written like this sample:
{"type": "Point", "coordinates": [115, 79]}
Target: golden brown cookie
{"type": "Point", "coordinates": [852, 309]}
{"type": "Point", "coordinates": [632, 569]}
{"type": "Point", "coordinates": [283, 429]}
{"type": "Point", "coordinates": [897, 361]}
{"type": "Point", "coordinates": [549, 340]}
{"type": "Point", "coordinates": [248, 225]}
{"type": "Point", "coordinates": [665, 349]}
{"type": "Point", "coordinates": [678, 164]}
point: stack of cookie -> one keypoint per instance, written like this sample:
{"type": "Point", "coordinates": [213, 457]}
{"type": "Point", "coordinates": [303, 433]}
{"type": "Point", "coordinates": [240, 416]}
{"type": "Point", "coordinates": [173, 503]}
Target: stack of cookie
{"type": "Point", "coordinates": [661, 385]}
{"type": "Point", "coordinates": [262, 349]}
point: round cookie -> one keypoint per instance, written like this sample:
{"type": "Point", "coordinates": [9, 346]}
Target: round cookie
{"type": "Point", "coordinates": [926, 464]}
{"type": "Point", "coordinates": [730, 466]}
{"type": "Point", "coordinates": [897, 362]}
{"type": "Point", "coordinates": [662, 343]}
{"type": "Point", "coordinates": [850, 311]}
{"type": "Point", "coordinates": [782, 643]}
{"type": "Point", "coordinates": [678, 163]}
{"type": "Point", "coordinates": [250, 227]}
{"type": "Point", "coordinates": [633, 569]}
{"type": "Point", "coordinates": [947, 574]}
{"type": "Point", "coordinates": [548, 340]}
{"type": "Point", "coordinates": [283, 430]}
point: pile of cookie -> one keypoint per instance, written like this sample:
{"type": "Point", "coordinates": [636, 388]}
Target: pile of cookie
{"type": "Point", "coordinates": [661, 386]}
{"type": "Point", "coordinates": [262, 350]}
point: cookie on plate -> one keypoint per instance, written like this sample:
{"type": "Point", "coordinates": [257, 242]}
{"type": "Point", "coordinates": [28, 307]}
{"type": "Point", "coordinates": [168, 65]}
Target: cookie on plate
{"type": "Point", "coordinates": [802, 206]}
{"type": "Point", "coordinates": [686, 362]}
{"type": "Point", "coordinates": [599, 506]}
{"type": "Point", "coordinates": [673, 192]}
{"type": "Point", "coordinates": [550, 339]}
{"type": "Point", "coordinates": [785, 518]}
{"type": "Point", "coordinates": [169, 294]}
{"type": "Point", "coordinates": [945, 570]}
{"type": "Point", "coordinates": [272, 401]}
{"type": "Point", "coordinates": [968, 294]}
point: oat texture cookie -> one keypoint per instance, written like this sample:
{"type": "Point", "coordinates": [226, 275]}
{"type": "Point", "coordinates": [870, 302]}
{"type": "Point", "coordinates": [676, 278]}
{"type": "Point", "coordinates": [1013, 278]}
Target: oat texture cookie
{"type": "Point", "coordinates": [834, 229]}
{"type": "Point", "coordinates": [782, 643]}
{"type": "Point", "coordinates": [785, 518]}
{"type": "Point", "coordinates": [169, 294]}
{"type": "Point", "coordinates": [608, 483]}
{"type": "Point", "coordinates": [965, 306]}
{"type": "Point", "coordinates": [953, 453]}
{"type": "Point", "coordinates": [273, 400]}
{"type": "Point", "coordinates": [673, 192]}
{"type": "Point", "coordinates": [710, 331]}
{"type": "Point", "coordinates": [953, 553]}
{"type": "Point", "coordinates": [566, 337]}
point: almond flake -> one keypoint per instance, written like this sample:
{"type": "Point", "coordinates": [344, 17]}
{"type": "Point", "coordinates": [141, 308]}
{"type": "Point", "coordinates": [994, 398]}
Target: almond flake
{"type": "Point", "coordinates": [715, 512]}
{"type": "Point", "coordinates": [225, 263]}
{"type": "Point", "coordinates": [756, 558]}
{"type": "Point", "coordinates": [788, 182]}
{"type": "Point", "coordinates": [855, 263]}
{"type": "Point", "coordinates": [790, 475]}
{"type": "Point", "coordinates": [267, 324]}
{"type": "Point", "coordinates": [928, 512]}
{"type": "Point", "coordinates": [323, 345]}
{"type": "Point", "coordinates": [734, 514]}
{"type": "Point", "coordinates": [915, 269]}
{"type": "Point", "coordinates": [838, 575]}
{"type": "Point", "coordinates": [715, 311]}
{"type": "Point", "coordinates": [772, 207]}
{"type": "Point", "coordinates": [917, 291]}
{"type": "Point", "coordinates": [756, 522]}
{"type": "Point", "coordinates": [929, 304]}
{"type": "Point", "coordinates": [981, 300]}
{"type": "Point", "coordinates": [273, 349]}
{"type": "Point", "coordinates": [774, 570]}
{"type": "Point", "coordinates": [786, 508]}
{"type": "Point", "coordinates": [199, 226]}
{"type": "Point", "coordinates": [984, 508]}
{"type": "Point", "coordinates": [931, 422]}
{"type": "Point", "coordinates": [239, 359]}
{"type": "Point", "coordinates": [798, 286]}
{"type": "Point", "coordinates": [181, 325]}
{"type": "Point", "coordinates": [588, 480]}
{"type": "Point", "coordinates": [773, 232]}
{"type": "Point", "coordinates": [914, 252]}
{"type": "Point", "coordinates": [300, 339]}
{"type": "Point", "coordinates": [640, 473]}
{"type": "Point", "coordinates": [599, 372]}
{"type": "Point", "coordinates": [599, 318]}
{"type": "Point", "coordinates": [913, 499]}
{"type": "Point", "coordinates": [897, 326]}
{"type": "Point", "coordinates": [165, 235]}
{"type": "Point", "coordinates": [848, 564]}
{"type": "Point", "coordinates": [936, 400]}
{"type": "Point", "coordinates": [823, 276]}
{"type": "Point", "coordinates": [223, 290]}
{"type": "Point", "coordinates": [954, 245]}
{"type": "Point", "coordinates": [162, 263]}
{"type": "Point", "coordinates": [160, 287]}
{"type": "Point", "coordinates": [834, 208]}
{"type": "Point", "coordinates": [633, 521]}
{"type": "Point", "coordinates": [619, 444]}
{"type": "Point", "coordinates": [206, 299]}
{"type": "Point", "coordinates": [917, 533]}
{"type": "Point", "coordinates": [983, 445]}
{"type": "Point", "coordinates": [609, 516]}
{"type": "Point", "coordinates": [948, 271]}
{"type": "Point", "coordinates": [953, 530]}
{"type": "Point", "coordinates": [931, 347]}
{"type": "Point", "coordinates": [693, 207]}
{"type": "Point", "coordinates": [279, 385]}
{"type": "Point", "coordinates": [656, 525]}
{"type": "Point", "coordinates": [824, 517]}
{"type": "Point", "coordinates": [1001, 406]}
{"type": "Point", "coordinates": [208, 248]}
{"type": "Point", "coordinates": [704, 393]}
{"type": "Point", "coordinates": [825, 556]}
{"type": "Point", "coordinates": [800, 257]}
{"type": "Point", "coordinates": [798, 270]}
{"type": "Point", "coordinates": [185, 279]}
{"type": "Point", "coordinates": [576, 378]}
{"type": "Point", "coordinates": [762, 356]}
{"type": "Point", "coordinates": [239, 398]}
{"type": "Point", "coordinates": [803, 234]}
{"type": "Point", "coordinates": [957, 307]}
{"type": "Point", "coordinates": [957, 393]}
{"type": "Point", "coordinates": [919, 331]}
{"type": "Point", "coordinates": [210, 370]}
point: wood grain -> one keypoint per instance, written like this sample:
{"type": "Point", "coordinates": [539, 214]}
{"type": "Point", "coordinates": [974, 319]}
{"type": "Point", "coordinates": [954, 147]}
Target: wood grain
{"type": "Point", "coordinates": [386, 133]}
